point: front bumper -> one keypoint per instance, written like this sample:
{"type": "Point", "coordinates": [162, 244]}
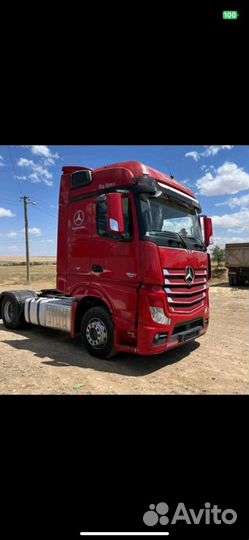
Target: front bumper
{"type": "Point", "coordinates": [183, 327]}
{"type": "Point", "coordinates": [147, 345]}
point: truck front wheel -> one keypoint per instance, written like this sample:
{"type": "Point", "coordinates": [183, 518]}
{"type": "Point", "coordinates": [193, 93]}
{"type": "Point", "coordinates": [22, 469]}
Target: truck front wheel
{"type": "Point", "coordinates": [11, 313]}
{"type": "Point", "coordinates": [97, 332]}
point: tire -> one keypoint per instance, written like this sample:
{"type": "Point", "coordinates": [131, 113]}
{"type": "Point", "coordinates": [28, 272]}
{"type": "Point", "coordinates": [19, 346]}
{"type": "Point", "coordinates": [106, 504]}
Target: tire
{"type": "Point", "coordinates": [97, 332]}
{"type": "Point", "coordinates": [11, 312]}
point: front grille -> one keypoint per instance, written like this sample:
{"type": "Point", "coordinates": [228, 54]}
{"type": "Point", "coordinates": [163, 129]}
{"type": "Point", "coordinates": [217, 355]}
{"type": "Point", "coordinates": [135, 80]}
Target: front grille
{"type": "Point", "coordinates": [183, 297]}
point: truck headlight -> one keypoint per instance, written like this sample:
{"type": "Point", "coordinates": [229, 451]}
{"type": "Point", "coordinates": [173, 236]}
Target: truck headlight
{"type": "Point", "coordinates": [158, 315]}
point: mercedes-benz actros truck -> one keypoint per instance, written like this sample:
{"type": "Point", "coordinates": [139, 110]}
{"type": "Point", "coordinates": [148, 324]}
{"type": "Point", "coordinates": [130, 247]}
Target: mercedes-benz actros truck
{"type": "Point", "coordinates": [132, 263]}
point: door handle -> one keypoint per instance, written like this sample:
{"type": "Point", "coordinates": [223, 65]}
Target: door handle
{"type": "Point", "coordinates": [96, 268]}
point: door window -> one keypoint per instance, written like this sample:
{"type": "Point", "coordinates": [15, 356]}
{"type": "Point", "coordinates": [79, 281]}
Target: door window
{"type": "Point", "coordinates": [102, 220]}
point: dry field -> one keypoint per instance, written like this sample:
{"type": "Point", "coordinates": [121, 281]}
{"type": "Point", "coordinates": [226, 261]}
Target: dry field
{"type": "Point", "coordinates": [32, 259]}
{"type": "Point", "coordinates": [42, 361]}
{"type": "Point", "coordinates": [42, 275]}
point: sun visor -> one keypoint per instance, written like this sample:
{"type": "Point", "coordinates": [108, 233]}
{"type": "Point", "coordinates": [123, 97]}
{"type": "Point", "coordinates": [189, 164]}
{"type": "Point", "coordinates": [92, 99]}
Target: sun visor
{"type": "Point", "coordinates": [179, 196]}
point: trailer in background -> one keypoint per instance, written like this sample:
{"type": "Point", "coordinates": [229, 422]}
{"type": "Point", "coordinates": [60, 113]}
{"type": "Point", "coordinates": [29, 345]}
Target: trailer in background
{"type": "Point", "coordinates": [237, 262]}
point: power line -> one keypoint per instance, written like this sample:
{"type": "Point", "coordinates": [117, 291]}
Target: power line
{"type": "Point", "coordinates": [45, 212]}
{"type": "Point", "coordinates": [14, 240]}
{"type": "Point", "coordinates": [10, 203]}
{"type": "Point", "coordinates": [14, 169]}
{"type": "Point", "coordinates": [45, 206]}
{"type": "Point", "coordinates": [14, 202]}
{"type": "Point", "coordinates": [7, 198]}
{"type": "Point", "coordinates": [44, 203]}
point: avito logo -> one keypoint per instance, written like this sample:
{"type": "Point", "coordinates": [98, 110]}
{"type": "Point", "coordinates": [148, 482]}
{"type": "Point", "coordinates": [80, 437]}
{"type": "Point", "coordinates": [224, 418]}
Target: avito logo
{"type": "Point", "coordinates": [210, 514]}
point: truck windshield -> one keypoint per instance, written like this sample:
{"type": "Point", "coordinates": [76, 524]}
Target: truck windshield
{"type": "Point", "coordinates": [169, 218]}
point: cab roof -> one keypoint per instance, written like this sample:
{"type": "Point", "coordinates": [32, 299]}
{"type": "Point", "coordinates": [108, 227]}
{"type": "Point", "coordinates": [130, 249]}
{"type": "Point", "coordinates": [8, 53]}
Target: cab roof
{"type": "Point", "coordinates": [128, 171]}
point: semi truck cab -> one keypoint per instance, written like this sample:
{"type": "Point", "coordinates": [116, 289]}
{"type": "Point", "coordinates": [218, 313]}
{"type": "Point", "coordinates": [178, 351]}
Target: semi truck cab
{"type": "Point", "coordinates": [132, 262]}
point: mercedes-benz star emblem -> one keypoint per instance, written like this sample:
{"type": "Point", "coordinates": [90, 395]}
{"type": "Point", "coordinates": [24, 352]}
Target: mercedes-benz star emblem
{"type": "Point", "coordinates": [189, 275]}
{"type": "Point", "coordinates": [78, 218]}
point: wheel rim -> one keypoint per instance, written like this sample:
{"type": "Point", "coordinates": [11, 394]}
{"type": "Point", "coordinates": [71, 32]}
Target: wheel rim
{"type": "Point", "coordinates": [96, 333]}
{"type": "Point", "coordinates": [8, 311]}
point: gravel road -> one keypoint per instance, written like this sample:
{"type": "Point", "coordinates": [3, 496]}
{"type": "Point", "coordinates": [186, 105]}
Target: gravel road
{"type": "Point", "coordinates": [42, 361]}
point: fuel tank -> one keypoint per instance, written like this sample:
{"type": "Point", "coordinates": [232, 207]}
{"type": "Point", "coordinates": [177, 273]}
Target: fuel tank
{"type": "Point", "coordinates": [49, 312]}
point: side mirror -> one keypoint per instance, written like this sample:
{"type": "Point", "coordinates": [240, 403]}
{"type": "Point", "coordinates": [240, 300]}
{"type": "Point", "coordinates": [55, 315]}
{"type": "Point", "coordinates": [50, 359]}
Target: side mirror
{"type": "Point", "coordinates": [208, 230]}
{"type": "Point", "coordinates": [115, 216]}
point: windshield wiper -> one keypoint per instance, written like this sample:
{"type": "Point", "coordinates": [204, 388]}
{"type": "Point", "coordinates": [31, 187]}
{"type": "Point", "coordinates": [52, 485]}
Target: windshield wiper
{"type": "Point", "coordinates": [182, 239]}
{"type": "Point", "coordinates": [170, 235]}
{"type": "Point", "coordinates": [198, 243]}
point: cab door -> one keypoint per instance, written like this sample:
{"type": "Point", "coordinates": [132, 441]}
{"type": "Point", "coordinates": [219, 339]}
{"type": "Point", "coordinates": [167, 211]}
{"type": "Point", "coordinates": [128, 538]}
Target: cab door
{"type": "Point", "coordinates": [79, 239]}
{"type": "Point", "coordinates": [115, 259]}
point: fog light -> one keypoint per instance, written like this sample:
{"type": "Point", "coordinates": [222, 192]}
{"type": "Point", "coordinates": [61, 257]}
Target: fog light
{"type": "Point", "coordinates": [160, 339]}
{"type": "Point", "coordinates": [158, 315]}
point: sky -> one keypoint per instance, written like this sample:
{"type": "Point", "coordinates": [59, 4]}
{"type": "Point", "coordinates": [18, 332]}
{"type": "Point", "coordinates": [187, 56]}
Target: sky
{"type": "Point", "coordinates": [217, 174]}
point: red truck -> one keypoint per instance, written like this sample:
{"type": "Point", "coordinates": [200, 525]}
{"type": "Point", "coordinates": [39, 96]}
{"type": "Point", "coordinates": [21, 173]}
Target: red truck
{"type": "Point", "coordinates": [132, 263]}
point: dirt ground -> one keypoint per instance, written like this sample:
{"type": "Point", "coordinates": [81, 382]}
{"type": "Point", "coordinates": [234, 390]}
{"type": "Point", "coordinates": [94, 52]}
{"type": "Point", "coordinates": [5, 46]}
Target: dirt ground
{"type": "Point", "coordinates": [43, 361]}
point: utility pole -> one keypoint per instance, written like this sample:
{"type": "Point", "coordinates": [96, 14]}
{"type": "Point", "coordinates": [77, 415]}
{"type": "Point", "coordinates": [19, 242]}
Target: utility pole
{"type": "Point", "coordinates": [25, 204]}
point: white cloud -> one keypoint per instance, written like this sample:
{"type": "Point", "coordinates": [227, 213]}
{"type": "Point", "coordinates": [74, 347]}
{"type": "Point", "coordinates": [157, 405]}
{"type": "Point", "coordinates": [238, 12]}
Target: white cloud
{"type": "Point", "coordinates": [43, 151]}
{"type": "Point", "coordinates": [187, 181]}
{"type": "Point", "coordinates": [227, 179]}
{"type": "Point", "coordinates": [194, 155]}
{"type": "Point", "coordinates": [6, 213]}
{"type": "Point", "coordinates": [34, 231]}
{"type": "Point", "coordinates": [214, 149]}
{"type": "Point", "coordinates": [49, 161]}
{"type": "Point", "coordinates": [21, 177]}
{"type": "Point", "coordinates": [237, 222]}
{"type": "Point", "coordinates": [210, 151]}
{"type": "Point", "coordinates": [1, 161]}
{"type": "Point", "coordinates": [207, 168]}
{"type": "Point", "coordinates": [23, 162]}
{"type": "Point", "coordinates": [235, 201]}
{"type": "Point", "coordinates": [222, 240]}
{"type": "Point", "coordinates": [39, 173]}
{"type": "Point", "coordinates": [35, 179]}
